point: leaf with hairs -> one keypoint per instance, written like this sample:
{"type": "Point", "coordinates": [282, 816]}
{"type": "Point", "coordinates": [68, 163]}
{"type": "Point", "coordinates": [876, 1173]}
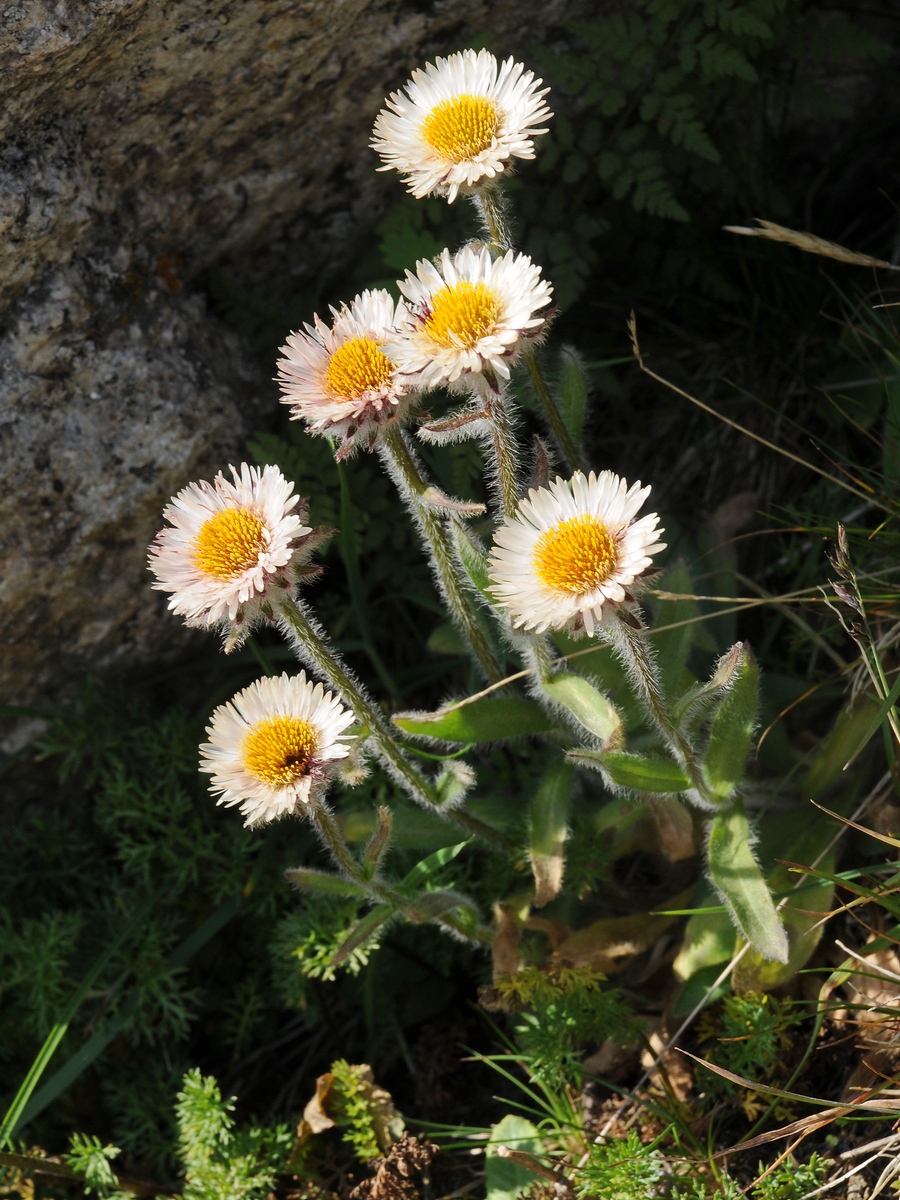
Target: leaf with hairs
{"type": "Point", "coordinates": [311, 880]}
{"type": "Point", "coordinates": [587, 705]}
{"type": "Point", "coordinates": [549, 821]}
{"type": "Point", "coordinates": [491, 719]}
{"type": "Point", "coordinates": [732, 729]}
{"type": "Point", "coordinates": [640, 772]}
{"type": "Point", "coordinates": [739, 881]}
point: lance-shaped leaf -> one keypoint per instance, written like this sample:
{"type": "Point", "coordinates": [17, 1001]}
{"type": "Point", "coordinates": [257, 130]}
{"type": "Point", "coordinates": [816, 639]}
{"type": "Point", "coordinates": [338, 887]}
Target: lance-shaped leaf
{"type": "Point", "coordinates": [323, 881]}
{"type": "Point", "coordinates": [473, 557]}
{"type": "Point", "coordinates": [362, 931]}
{"type": "Point", "coordinates": [549, 820]}
{"type": "Point", "coordinates": [700, 695]}
{"type": "Point", "coordinates": [572, 393]}
{"type": "Point", "coordinates": [429, 866]}
{"type": "Point", "coordinates": [587, 705]}
{"type": "Point", "coordinates": [732, 729]}
{"type": "Point", "coordinates": [491, 719]}
{"type": "Point", "coordinates": [739, 881]}
{"type": "Point", "coordinates": [709, 943]}
{"type": "Point", "coordinates": [640, 772]}
{"type": "Point", "coordinates": [807, 901]}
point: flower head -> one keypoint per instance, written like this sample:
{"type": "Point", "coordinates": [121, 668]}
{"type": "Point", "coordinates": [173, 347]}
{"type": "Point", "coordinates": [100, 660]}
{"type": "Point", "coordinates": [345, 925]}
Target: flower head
{"type": "Point", "coordinates": [571, 551]}
{"type": "Point", "coordinates": [340, 379]}
{"type": "Point", "coordinates": [467, 314]}
{"type": "Point", "coordinates": [229, 546]}
{"type": "Point", "coordinates": [459, 122]}
{"type": "Point", "coordinates": [272, 743]}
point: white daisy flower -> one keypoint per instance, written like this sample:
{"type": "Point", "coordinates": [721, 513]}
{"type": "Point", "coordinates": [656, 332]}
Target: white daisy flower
{"type": "Point", "coordinates": [468, 313]}
{"type": "Point", "coordinates": [229, 546]}
{"type": "Point", "coordinates": [340, 380]}
{"type": "Point", "coordinates": [272, 743]}
{"type": "Point", "coordinates": [572, 550]}
{"type": "Point", "coordinates": [459, 122]}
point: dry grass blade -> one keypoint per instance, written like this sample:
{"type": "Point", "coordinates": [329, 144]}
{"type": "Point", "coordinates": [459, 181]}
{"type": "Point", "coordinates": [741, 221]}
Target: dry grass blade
{"type": "Point", "coordinates": [805, 1125]}
{"type": "Point", "coordinates": [810, 243]}
{"type": "Point", "coordinates": [882, 837]}
{"type": "Point", "coordinates": [887, 1106]}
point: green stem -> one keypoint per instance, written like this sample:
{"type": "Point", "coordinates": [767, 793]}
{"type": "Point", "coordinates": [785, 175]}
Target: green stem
{"type": "Point", "coordinates": [311, 645]}
{"type": "Point", "coordinates": [631, 646]}
{"type": "Point", "coordinates": [330, 833]}
{"type": "Point", "coordinates": [551, 412]}
{"type": "Point", "coordinates": [407, 474]}
{"type": "Point", "coordinates": [504, 446]}
{"type": "Point", "coordinates": [489, 203]}
{"type": "Point", "coordinates": [311, 648]}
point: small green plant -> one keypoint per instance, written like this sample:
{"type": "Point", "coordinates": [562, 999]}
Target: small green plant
{"type": "Point", "coordinates": [91, 1159]}
{"type": "Point", "coordinates": [564, 1009]}
{"type": "Point", "coordinates": [623, 1169]}
{"type": "Point", "coordinates": [219, 1163]}
{"type": "Point", "coordinates": [792, 1180]}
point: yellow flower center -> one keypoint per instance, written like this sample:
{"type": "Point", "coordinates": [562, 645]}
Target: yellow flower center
{"type": "Point", "coordinates": [577, 555]}
{"type": "Point", "coordinates": [229, 543]}
{"type": "Point", "coordinates": [462, 127]}
{"type": "Point", "coordinates": [279, 749]}
{"type": "Point", "coordinates": [357, 367]}
{"type": "Point", "coordinates": [462, 314]}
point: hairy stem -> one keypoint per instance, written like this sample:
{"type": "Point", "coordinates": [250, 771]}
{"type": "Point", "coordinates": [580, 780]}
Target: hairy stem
{"type": "Point", "coordinates": [335, 842]}
{"type": "Point", "coordinates": [504, 446]}
{"type": "Point", "coordinates": [405, 469]}
{"type": "Point", "coordinates": [563, 438]}
{"type": "Point", "coordinates": [310, 643]}
{"type": "Point", "coordinates": [489, 203]}
{"type": "Point", "coordinates": [631, 646]}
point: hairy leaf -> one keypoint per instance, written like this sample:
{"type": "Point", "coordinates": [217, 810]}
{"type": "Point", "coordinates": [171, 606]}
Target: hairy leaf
{"type": "Point", "coordinates": [740, 883]}
{"type": "Point", "coordinates": [491, 719]}
{"type": "Point", "coordinates": [549, 819]}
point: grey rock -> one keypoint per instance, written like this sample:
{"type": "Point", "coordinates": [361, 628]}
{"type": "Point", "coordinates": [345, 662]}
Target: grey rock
{"type": "Point", "coordinates": [142, 141]}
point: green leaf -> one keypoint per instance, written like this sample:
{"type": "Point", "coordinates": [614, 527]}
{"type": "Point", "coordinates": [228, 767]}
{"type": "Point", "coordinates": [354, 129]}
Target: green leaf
{"type": "Point", "coordinates": [428, 866]}
{"type": "Point", "coordinates": [697, 697]}
{"type": "Point", "coordinates": [489, 720]}
{"type": "Point", "coordinates": [323, 881]}
{"type": "Point", "coordinates": [639, 772]}
{"type": "Point", "coordinates": [588, 705]}
{"type": "Point", "coordinates": [572, 393]}
{"type": "Point", "coordinates": [473, 558]}
{"type": "Point", "coordinates": [709, 943]}
{"type": "Point", "coordinates": [802, 917]}
{"type": "Point", "coordinates": [738, 880]}
{"type": "Point", "coordinates": [549, 820]}
{"type": "Point", "coordinates": [508, 1180]}
{"type": "Point", "coordinates": [732, 729]}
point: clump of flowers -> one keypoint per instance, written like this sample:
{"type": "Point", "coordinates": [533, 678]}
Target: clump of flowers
{"type": "Point", "coordinates": [573, 555]}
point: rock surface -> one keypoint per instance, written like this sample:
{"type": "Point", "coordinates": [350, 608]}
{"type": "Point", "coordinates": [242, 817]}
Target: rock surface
{"type": "Point", "coordinates": [142, 141]}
